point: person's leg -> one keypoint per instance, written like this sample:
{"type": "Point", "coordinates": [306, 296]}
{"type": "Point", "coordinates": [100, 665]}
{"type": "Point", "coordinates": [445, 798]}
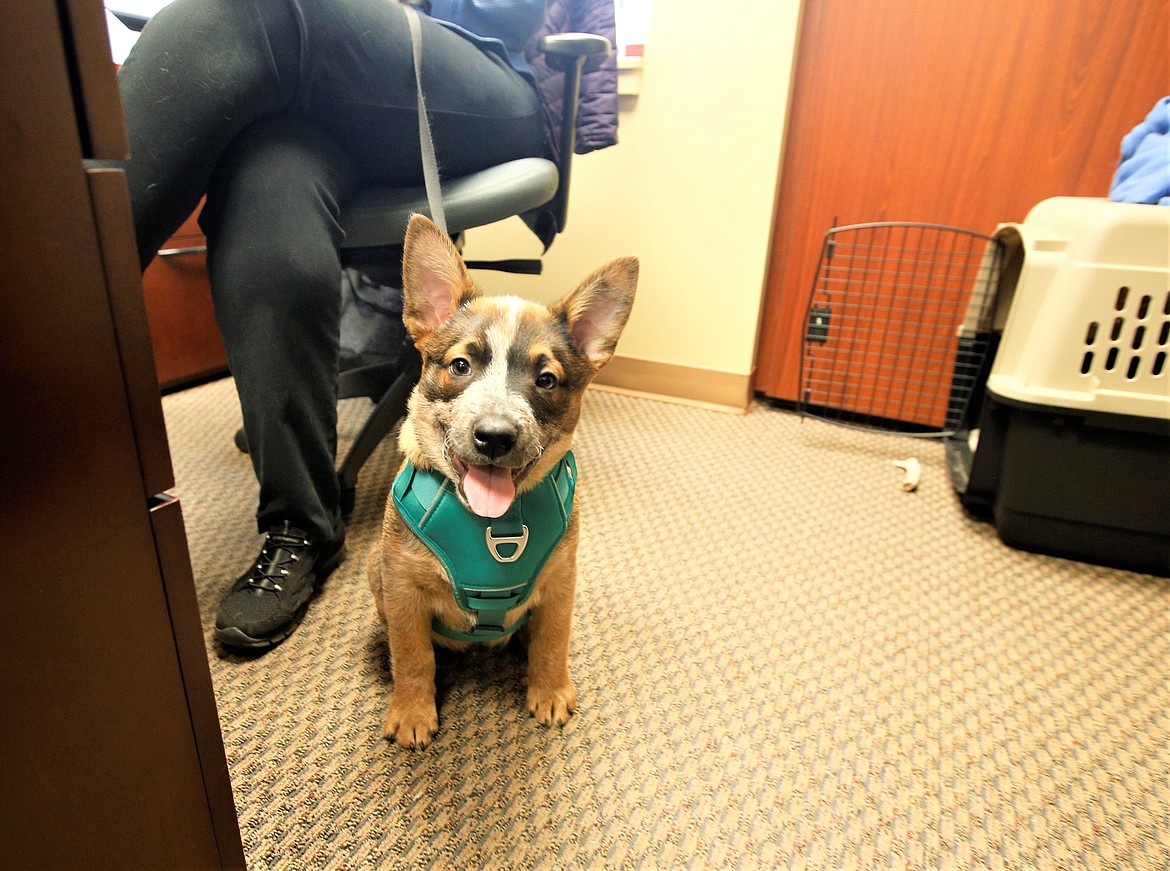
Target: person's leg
{"type": "Point", "coordinates": [358, 84]}
{"type": "Point", "coordinates": [201, 71]}
{"type": "Point", "coordinates": [272, 229]}
{"type": "Point", "coordinates": [272, 232]}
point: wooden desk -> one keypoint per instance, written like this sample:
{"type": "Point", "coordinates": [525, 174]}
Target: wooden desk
{"type": "Point", "coordinates": [110, 750]}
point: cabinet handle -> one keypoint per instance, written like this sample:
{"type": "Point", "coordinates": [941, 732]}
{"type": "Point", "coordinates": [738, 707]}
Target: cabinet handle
{"type": "Point", "coordinates": [177, 252]}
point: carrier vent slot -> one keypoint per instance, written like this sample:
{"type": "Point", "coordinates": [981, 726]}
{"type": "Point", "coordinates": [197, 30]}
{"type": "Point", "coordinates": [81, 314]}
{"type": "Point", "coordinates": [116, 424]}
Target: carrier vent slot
{"type": "Point", "coordinates": [1129, 330]}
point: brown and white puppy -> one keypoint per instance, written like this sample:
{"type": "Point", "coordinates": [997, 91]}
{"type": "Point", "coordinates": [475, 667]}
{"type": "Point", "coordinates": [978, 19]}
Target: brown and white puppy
{"type": "Point", "coordinates": [494, 412]}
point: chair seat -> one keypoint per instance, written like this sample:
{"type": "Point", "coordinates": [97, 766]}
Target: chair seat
{"type": "Point", "coordinates": [378, 215]}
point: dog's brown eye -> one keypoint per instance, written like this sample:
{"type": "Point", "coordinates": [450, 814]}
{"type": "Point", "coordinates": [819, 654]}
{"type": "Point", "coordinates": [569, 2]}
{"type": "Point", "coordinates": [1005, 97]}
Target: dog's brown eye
{"type": "Point", "coordinates": [459, 366]}
{"type": "Point", "coordinates": [546, 381]}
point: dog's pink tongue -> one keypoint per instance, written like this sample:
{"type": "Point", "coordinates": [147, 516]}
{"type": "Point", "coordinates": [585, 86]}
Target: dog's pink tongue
{"type": "Point", "coordinates": [489, 490]}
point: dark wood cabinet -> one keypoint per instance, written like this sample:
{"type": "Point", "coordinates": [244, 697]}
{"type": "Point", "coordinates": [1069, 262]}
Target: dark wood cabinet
{"type": "Point", "coordinates": [110, 751]}
{"type": "Point", "coordinates": [187, 347]}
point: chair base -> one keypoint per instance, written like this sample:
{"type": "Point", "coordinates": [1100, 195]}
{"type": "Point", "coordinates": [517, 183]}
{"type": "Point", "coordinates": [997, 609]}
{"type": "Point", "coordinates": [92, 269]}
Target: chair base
{"type": "Point", "coordinates": [389, 409]}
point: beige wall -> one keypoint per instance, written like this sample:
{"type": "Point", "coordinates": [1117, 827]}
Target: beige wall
{"type": "Point", "coordinates": [689, 189]}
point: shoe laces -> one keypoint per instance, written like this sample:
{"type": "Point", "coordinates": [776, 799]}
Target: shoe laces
{"type": "Point", "coordinates": [277, 560]}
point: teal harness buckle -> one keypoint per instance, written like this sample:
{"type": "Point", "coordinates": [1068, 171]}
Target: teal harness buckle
{"type": "Point", "coordinates": [492, 563]}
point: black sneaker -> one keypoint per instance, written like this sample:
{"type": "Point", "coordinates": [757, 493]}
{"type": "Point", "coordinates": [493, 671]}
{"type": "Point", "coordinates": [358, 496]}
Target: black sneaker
{"type": "Point", "coordinates": [267, 603]}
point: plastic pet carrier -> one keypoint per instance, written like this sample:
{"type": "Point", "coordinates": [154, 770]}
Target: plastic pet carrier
{"type": "Point", "coordinates": [1068, 445]}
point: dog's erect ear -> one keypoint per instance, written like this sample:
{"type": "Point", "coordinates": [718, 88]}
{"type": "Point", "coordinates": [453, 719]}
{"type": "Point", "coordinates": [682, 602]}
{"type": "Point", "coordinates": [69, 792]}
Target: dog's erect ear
{"type": "Point", "coordinates": [434, 280]}
{"type": "Point", "coordinates": [597, 310]}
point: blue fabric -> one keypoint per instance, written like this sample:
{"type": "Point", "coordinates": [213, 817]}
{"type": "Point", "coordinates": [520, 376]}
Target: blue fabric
{"type": "Point", "coordinates": [1143, 175]}
{"type": "Point", "coordinates": [502, 26]}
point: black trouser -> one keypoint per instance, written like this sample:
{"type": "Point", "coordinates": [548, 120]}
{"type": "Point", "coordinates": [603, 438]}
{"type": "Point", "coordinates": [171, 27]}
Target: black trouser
{"type": "Point", "coordinates": [279, 110]}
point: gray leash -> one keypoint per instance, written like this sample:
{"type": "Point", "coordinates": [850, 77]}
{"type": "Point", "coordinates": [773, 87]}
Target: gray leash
{"type": "Point", "coordinates": [426, 146]}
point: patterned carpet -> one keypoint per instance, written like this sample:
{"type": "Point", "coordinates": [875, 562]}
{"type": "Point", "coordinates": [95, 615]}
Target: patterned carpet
{"type": "Point", "coordinates": [783, 660]}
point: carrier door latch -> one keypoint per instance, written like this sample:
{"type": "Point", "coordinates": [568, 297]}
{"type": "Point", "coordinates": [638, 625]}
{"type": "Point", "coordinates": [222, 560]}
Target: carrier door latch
{"type": "Point", "coordinates": [818, 324]}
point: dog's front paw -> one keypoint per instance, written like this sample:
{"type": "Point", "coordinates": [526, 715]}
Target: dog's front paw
{"type": "Point", "coordinates": [553, 705]}
{"type": "Point", "coordinates": [412, 726]}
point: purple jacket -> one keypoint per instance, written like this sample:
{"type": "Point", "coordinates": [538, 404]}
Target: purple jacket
{"type": "Point", "coordinates": [597, 118]}
{"type": "Point", "coordinates": [505, 25]}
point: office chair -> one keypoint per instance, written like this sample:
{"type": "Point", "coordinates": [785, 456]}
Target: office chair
{"type": "Point", "coordinates": [375, 227]}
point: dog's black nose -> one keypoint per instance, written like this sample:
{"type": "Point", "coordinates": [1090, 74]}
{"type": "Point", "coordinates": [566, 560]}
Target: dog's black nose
{"type": "Point", "coordinates": [494, 436]}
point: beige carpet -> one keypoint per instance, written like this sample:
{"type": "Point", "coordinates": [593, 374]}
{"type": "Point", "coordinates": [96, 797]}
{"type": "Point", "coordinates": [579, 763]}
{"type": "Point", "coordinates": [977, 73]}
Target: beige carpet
{"type": "Point", "coordinates": [783, 660]}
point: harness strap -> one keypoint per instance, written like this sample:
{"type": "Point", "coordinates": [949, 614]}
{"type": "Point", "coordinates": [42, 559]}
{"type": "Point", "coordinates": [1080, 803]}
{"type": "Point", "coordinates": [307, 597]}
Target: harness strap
{"type": "Point", "coordinates": [481, 632]}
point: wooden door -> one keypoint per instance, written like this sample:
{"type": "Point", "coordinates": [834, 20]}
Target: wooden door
{"type": "Point", "coordinates": [963, 114]}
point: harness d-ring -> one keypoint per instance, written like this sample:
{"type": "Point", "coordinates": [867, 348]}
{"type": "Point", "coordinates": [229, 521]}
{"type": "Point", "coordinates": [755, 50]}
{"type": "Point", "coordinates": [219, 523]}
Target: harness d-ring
{"type": "Point", "coordinates": [494, 542]}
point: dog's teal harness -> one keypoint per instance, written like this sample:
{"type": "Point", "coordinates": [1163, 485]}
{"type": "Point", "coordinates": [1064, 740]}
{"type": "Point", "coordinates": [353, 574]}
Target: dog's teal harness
{"type": "Point", "coordinates": [493, 563]}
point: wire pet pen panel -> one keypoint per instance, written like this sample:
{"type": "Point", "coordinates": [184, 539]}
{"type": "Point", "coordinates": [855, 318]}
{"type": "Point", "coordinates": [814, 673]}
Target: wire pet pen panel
{"type": "Point", "coordinates": [898, 326]}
